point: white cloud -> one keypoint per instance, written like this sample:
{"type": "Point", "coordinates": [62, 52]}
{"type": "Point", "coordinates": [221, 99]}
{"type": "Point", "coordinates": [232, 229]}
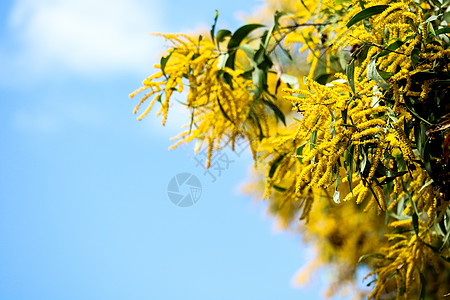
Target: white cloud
{"type": "Point", "coordinates": [85, 36]}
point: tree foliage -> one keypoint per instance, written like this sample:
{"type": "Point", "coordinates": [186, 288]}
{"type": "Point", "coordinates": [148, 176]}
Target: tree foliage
{"type": "Point", "coordinates": [345, 105]}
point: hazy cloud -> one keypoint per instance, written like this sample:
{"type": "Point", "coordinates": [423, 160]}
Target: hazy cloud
{"type": "Point", "coordinates": [85, 36]}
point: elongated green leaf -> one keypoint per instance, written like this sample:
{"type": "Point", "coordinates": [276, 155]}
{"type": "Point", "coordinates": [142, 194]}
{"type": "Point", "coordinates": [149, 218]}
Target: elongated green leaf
{"type": "Point", "coordinates": [275, 165]}
{"type": "Point", "coordinates": [415, 220]}
{"type": "Point", "coordinates": [259, 78]}
{"type": "Point", "coordinates": [221, 35]}
{"type": "Point", "coordinates": [322, 78]}
{"type": "Point", "coordinates": [222, 60]}
{"type": "Point", "coordinates": [415, 56]}
{"type": "Point", "coordinates": [223, 111]}
{"type": "Point", "coordinates": [163, 63]}
{"type": "Point", "coordinates": [336, 195]}
{"type": "Point", "coordinates": [366, 13]}
{"type": "Point", "coordinates": [279, 188]}
{"type": "Point", "coordinates": [213, 27]}
{"type": "Point", "coordinates": [427, 158]}
{"type": "Point", "coordinates": [447, 259]}
{"type": "Point", "coordinates": [348, 155]}
{"type": "Point", "coordinates": [447, 235]}
{"type": "Point", "coordinates": [443, 30]}
{"type": "Point", "coordinates": [248, 50]}
{"type": "Point", "coordinates": [253, 116]}
{"type": "Point", "coordinates": [226, 77]}
{"type": "Point", "coordinates": [313, 140]}
{"type": "Point", "coordinates": [372, 73]}
{"type": "Point", "coordinates": [392, 47]}
{"type": "Point", "coordinates": [344, 114]}
{"type": "Point", "coordinates": [299, 153]}
{"type": "Point", "coordinates": [364, 162]}
{"type": "Point", "coordinates": [278, 113]}
{"type": "Point", "coordinates": [370, 255]}
{"type": "Point", "coordinates": [276, 18]}
{"type": "Point", "coordinates": [426, 184]}
{"type": "Point", "coordinates": [437, 3]}
{"type": "Point", "coordinates": [430, 29]}
{"type": "Point", "coordinates": [411, 109]}
{"type": "Point", "coordinates": [351, 75]}
{"type": "Point", "coordinates": [236, 39]}
{"type": "Point", "coordinates": [422, 286]}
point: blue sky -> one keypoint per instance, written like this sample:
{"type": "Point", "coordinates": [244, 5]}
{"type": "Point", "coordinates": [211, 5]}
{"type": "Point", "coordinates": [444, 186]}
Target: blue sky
{"type": "Point", "coordinates": [84, 211]}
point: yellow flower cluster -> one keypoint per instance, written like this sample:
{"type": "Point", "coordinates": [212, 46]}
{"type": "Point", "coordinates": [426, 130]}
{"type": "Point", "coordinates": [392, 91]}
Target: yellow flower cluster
{"type": "Point", "coordinates": [220, 110]}
{"type": "Point", "coordinates": [403, 262]}
{"type": "Point", "coordinates": [355, 162]}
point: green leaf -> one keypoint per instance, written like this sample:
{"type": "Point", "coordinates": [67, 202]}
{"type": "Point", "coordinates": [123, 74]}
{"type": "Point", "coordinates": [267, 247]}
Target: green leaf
{"type": "Point", "coordinates": [342, 60]}
{"type": "Point", "coordinates": [366, 13]}
{"type": "Point", "coordinates": [222, 60]}
{"type": "Point", "coordinates": [223, 111]}
{"type": "Point", "coordinates": [351, 75]}
{"type": "Point", "coordinates": [278, 113]}
{"type": "Point", "coordinates": [426, 184]}
{"type": "Point", "coordinates": [313, 140]}
{"type": "Point", "coordinates": [415, 57]}
{"type": "Point", "coordinates": [390, 175]}
{"type": "Point", "coordinates": [344, 114]}
{"type": "Point", "coordinates": [447, 259]}
{"type": "Point", "coordinates": [427, 158]}
{"type": "Point", "coordinates": [221, 35]}
{"type": "Point", "coordinates": [274, 166]}
{"type": "Point", "coordinates": [213, 28]}
{"type": "Point", "coordinates": [411, 109]}
{"type": "Point", "coordinates": [430, 29]}
{"type": "Point", "coordinates": [364, 162]}
{"type": "Point", "coordinates": [279, 188]}
{"type": "Point", "coordinates": [259, 80]}
{"type": "Point", "coordinates": [370, 255]}
{"type": "Point", "coordinates": [248, 50]}
{"type": "Point", "coordinates": [415, 220]}
{"type": "Point", "coordinates": [236, 39]}
{"type": "Point", "coordinates": [442, 31]}
{"type": "Point", "coordinates": [322, 78]}
{"type": "Point", "coordinates": [422, 285]}
{"type": "Point", "coordinates": [437, 3]}
{"type": "Point", "coordinates": [276, 17]}
{"type": "Point", "coordinates": [336, 196]}
{"type": "Point", "coordinates": [299, 153]}
{"type": "Point", "coordinates": [163, 63]}
{"type": "Point", "coordinates": [262, 60]}
{"type": "Point", "coordinates": [411, 201]}
{"type": "Point", "coordinates": [372, 73]}
{"type": "Point", "coordinates": [226, 77]}
{"type": "Point", "coordinates": [447, 235]}
{"type": "Point", "coordinates": [348, 156]}
{"type": "Point", "coordinates": [253, 116]}
{"type": "Point", "coordinates": [443, 82]}
{"type": "Point", "coordinates": [392, 47]}
{"type": "Point", "coordinates": [361, 3]}
{"type": "Point", "coordinates": [431, 19]}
